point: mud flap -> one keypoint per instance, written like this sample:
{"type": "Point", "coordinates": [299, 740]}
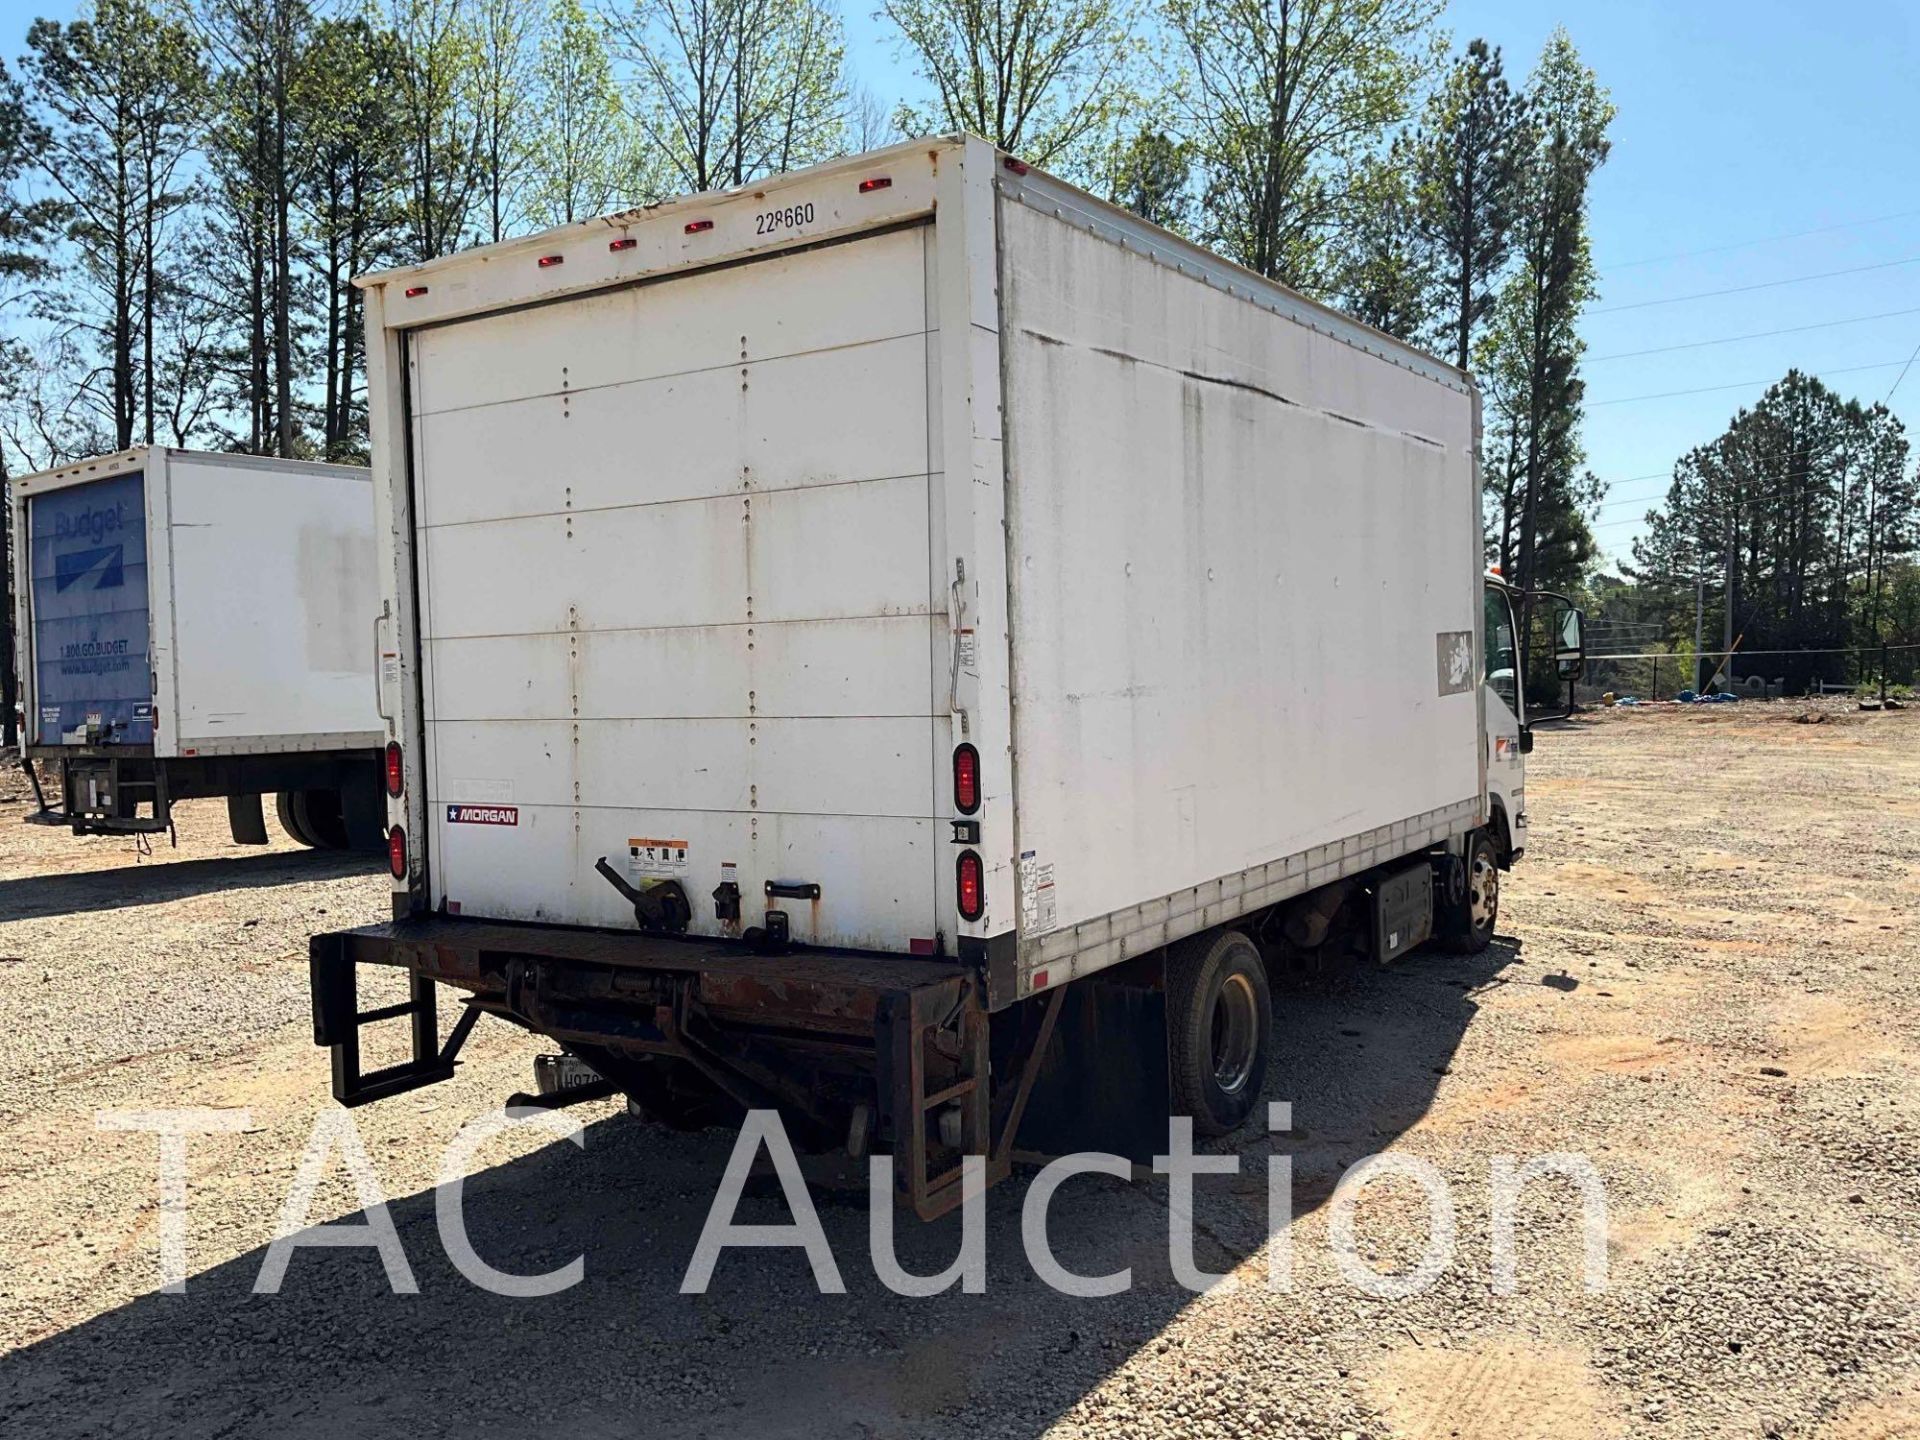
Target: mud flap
{"type": "Point", "coordinates": [1103, 1082]}
{"type": "Point", "coordinates": [246, 820]}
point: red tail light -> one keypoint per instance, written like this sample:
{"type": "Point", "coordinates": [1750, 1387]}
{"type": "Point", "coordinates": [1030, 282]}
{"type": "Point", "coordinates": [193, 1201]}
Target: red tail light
{"type": "Point", "coordinates": [397, 852]}
{"type": "Point", "coordinates": [879, 182]}
{"type": "Point", "coordinates": [396, 773]}
{"type": "Point", "coordinates": [971, 881]}
{"type": "Point", "coordinates": [966, 779]}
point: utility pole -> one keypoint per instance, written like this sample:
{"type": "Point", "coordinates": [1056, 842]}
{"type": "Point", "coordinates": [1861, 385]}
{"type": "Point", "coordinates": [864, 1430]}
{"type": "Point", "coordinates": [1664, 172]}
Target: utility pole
{"type": "Point", "coordinates": [1699, 622]}
{"type": "Point", "coordinates": [1726, 647]}
{"type": "Point", "coordinates": [9, 682]}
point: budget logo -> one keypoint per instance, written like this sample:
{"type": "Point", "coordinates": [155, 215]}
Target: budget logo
{"type": "Point", "coordinates": [107, 561]}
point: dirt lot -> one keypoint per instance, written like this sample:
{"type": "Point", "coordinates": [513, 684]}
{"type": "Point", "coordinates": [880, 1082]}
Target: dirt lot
{"type": "Point", "coordinates": [1706, 983]}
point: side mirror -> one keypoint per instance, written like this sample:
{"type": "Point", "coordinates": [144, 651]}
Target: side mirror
{"type": "Point", "coordinates": [1526, 739]}
{"type": "Point", "coordinates": [1570, 653]}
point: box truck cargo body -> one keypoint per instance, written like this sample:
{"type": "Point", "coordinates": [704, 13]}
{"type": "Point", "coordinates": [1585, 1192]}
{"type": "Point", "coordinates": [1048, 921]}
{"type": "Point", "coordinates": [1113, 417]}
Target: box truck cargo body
{"type": "Point", "coordinates": [193, 625]}
{"type": "Point", "coordinates": [829, 621]}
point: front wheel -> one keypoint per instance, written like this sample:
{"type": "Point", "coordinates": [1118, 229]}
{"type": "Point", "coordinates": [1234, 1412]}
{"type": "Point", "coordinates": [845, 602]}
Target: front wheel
{"type": "Point", "coordinates": [1466, 921]}
{"type": "Point", "coordinates": [1219, 1029]}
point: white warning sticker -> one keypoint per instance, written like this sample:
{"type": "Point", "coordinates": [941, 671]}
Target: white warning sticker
{"type": "Point", "coordinates": [650, 857]}
{"type": "Point", "coordinates": [1039, 910]}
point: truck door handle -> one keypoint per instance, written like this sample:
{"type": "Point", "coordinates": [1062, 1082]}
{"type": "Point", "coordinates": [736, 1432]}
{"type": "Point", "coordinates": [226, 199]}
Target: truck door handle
{"type": "Point", "coordinates": [379, 690]}
{"type": "Point", "coordinates": [792, 890]}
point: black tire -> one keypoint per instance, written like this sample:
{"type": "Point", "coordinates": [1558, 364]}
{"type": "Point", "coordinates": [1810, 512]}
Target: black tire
{"type": "Point", "coordinates": [1219, 1029]}
{"type": "Point", "coordinates": [285, 805]}
{"type": "Point", "coordinates": [1464, 922]}
{"type": "Point", "coordinates": [320, 815]}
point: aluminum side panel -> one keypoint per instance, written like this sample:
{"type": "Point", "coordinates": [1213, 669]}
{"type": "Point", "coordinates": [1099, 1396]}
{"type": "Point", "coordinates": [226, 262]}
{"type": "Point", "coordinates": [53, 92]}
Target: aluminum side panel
{"type": "Point", "coordinates": [1234, 542]}
{"type": "Point", "coordinates": [274, 596]}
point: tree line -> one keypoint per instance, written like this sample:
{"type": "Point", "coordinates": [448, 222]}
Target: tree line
{"type": "Point", "coordinates": [1794, 529]}
{"type": "Point", "coordinates": [188, 187]}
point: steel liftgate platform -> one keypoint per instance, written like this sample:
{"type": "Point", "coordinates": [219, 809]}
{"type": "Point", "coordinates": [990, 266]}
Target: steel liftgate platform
{"type": "Point", "coordinates": [855, 1050]}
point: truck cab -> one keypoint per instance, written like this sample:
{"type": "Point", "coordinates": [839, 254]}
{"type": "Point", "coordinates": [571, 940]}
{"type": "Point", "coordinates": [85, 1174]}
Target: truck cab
{"type": "Point", "coordinates": [1509, 728]}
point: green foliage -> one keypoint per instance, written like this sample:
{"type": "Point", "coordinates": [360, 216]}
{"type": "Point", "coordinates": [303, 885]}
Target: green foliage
{"type": "Point", "coordinates": [1048, 80]}
{"type": "Point", "coordinates": [436, 49]}
{"type": "Point", "coordinates": [507, 48]}
{"type": "Point", "coordinates": [1801, 516]}
{"type": "Point", "coordinates": [119, 92]}
{"type": "Point", "coordinates": [1151, 173]}
{"type": "Point", "coordinates": [1288, 101]}
{"type": "Point", "coordinates": [352, 167]}
{"type": "Point", "coordinates": [24, 223]}
{"type": "Point", "coordinates": [1466, 163]}
{"type": "Point", "coordinates": [1383, 266]}
{"type": "Point", "coordinates": [1529, 359]}
{"type": "Point", "coordinates": [731, 90]}
{"type": "Point", "coordinates": [580, 157]}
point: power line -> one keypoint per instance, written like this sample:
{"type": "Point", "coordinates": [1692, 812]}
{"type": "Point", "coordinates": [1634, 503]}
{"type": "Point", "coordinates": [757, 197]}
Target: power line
{"type": "Point", "coordinates": [1762, 240]}
{"type": "Point", "coordinates": [1762, 285]}
{"type": "Point", "coordinates": [1903, 374]}
{"type": "Point", "coordinates": [1738, 385]}
{"type": "Point", "coordinates": [1752, 335]}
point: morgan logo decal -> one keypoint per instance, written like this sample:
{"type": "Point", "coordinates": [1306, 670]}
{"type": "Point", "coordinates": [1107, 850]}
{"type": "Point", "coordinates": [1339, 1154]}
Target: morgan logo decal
{"type": "Point", "coordinates": [483, 814]}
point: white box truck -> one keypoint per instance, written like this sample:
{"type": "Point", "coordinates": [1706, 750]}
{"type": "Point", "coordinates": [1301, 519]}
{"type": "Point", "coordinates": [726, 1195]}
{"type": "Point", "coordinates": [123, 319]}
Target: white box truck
{"type": "Point", "coordinates": [900, 643]}
{"type": "Point", "coordinates": [194, 625]}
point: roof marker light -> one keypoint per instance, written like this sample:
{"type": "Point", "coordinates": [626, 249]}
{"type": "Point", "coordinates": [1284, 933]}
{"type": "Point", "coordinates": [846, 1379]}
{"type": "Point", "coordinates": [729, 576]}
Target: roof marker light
{"type": "Point", "coordinates": [1018, 167]}
{"type": "Point", "coordinates": [625, 242]}
{"type": "Point", "coordinates": [547, 262]}
{"type": "Point", "coordinates": [878, 182]}
{"type": "Point", "coordinates": [414, 292]}
{"type": "Point", "coordinates": [695, 227]}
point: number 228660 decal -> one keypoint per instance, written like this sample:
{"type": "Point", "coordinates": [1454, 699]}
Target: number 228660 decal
{"type": "Point", "coordinates": [772, 222]}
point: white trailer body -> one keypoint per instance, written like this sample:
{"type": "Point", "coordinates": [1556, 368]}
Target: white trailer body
{"type": "Point", "coordinates": [727, 555]}
{"type": "Point", "coordinates": [183, 607]}
{"type": "Point", "coordinates": [721, 537]}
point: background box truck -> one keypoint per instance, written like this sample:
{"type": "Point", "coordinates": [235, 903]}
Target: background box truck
{"type": "Point", "coordinates": [907, 644]}
{"type": "Point", "coordinates": [196, 625]}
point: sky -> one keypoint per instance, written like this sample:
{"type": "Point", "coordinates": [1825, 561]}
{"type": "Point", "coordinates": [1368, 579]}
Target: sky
{"type": "Point", "coordinates": [1757, 142]}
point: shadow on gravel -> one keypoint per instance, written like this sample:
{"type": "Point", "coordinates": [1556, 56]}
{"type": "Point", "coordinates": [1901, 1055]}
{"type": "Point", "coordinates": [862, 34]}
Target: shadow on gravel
{"type": "Point", "coordinates": [152, 883]}
{"type": "Point", "coordinates": [762, 1353]}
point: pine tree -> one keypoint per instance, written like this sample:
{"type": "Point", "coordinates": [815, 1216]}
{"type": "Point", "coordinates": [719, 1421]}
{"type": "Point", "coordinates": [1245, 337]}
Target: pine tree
{"type": "Point", "coordinates": [1467, 161]}
{"type": "Point", "coordinates": [1531, 358]}
{"type": "Point", "coordinates": [119, 90]}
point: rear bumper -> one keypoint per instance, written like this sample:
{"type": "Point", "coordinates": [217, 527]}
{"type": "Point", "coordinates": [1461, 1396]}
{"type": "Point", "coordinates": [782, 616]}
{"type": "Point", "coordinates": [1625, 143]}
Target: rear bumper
{"type": "Point", "coordinates": [852, 1049]}
{"type": "Point", "coordinates": [534, 971]}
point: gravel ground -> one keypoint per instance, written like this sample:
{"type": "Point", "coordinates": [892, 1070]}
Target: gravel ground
{"type": "Point", "coordinates": [1705, 983]}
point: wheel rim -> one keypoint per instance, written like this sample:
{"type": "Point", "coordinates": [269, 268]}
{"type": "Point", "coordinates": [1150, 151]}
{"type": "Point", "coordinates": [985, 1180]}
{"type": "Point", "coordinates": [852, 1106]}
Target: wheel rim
{"type": "Point", "coordinates": [1235, 1034]}
{"type": "Point", "coordinates": [1485, 891]}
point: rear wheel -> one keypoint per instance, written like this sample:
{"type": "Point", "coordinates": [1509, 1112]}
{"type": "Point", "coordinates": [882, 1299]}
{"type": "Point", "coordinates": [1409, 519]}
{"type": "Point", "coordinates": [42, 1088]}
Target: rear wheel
{"type": "Point", "coordinates": [285, 805]}
{"type": "Point", "coordinates": [1466, 921]}
{"type": "Point", "coordinates": [1219, 1029]}
{"type": "Point", "coordinates": [320, 815]}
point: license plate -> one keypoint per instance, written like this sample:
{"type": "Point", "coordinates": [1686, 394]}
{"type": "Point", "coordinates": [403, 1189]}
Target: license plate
{"type": "Point", "coordinates": [557, 1074]}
